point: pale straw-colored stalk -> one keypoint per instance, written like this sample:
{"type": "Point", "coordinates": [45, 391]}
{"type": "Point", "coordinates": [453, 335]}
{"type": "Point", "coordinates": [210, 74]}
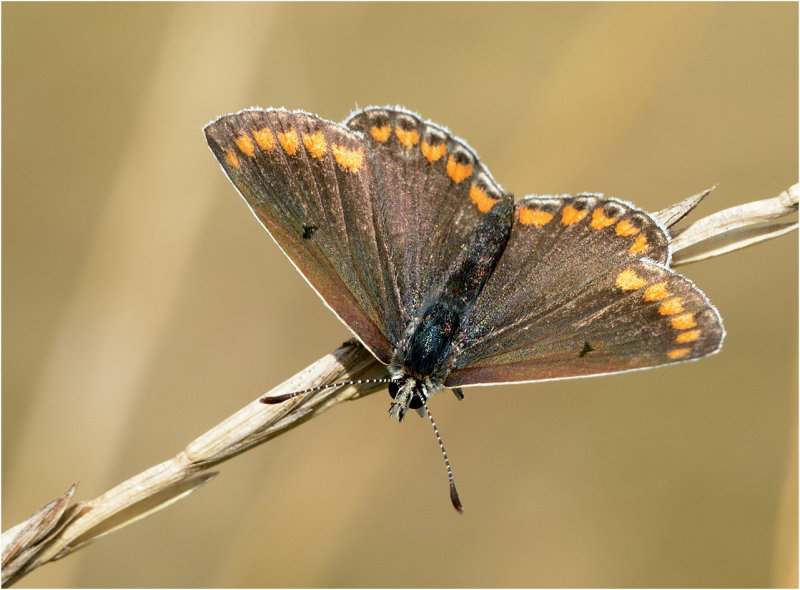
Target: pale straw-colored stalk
{"type": "Point", "coordinates": [62, 527]}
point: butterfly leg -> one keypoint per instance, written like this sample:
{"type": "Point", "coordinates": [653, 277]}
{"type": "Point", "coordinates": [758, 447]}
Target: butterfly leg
{"type": "Point", "coordinates": [458, 393]}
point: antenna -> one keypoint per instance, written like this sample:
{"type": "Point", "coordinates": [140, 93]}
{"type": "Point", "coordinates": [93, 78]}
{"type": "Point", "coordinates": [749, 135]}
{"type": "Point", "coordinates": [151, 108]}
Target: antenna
{"type": "Point", "coordinates": [453, 492]}
{"type": "Point", "coordinates": [279, 399]}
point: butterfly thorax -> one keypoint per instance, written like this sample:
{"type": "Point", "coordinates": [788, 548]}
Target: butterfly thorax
{"type": "Point", "coordinates": [430, 344]}
{"type": "Point", "coordinates": [419, 366]}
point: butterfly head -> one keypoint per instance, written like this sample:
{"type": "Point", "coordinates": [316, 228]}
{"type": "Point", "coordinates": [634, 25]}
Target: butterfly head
{"type": "Point", "coordinates": [410, 392]}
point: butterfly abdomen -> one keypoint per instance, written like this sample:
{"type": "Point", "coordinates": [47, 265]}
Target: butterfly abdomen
{"type": "Point", "coordinates": [479, 256]}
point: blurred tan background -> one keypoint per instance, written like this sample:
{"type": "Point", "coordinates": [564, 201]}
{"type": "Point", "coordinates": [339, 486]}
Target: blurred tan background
{"type": "Point", "coordinates": [143, 303]}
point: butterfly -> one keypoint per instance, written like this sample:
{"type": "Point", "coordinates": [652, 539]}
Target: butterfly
{"type": "Point", "coordinates": [445, 277]}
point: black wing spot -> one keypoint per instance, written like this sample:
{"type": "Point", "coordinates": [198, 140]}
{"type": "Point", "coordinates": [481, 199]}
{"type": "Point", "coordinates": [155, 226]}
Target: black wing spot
{"type": "Point", "coordinates": [308, 231]}
{"type": "Point", "coordinates": [587, 348]}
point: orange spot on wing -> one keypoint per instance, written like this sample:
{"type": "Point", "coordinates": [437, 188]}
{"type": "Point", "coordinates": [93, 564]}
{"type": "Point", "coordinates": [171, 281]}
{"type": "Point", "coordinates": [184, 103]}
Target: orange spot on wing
{"type": "Point", "coordinates": [671, 306]}
{"type": "Point", "coordinates": [656, 292]}
{"type": "Point", "coordinates": [232, 159]}
{"type": "Point", "coordinates": [535, 217]}
{"type": "Point", "coordinates": [265, 139]}
{"type": "Point", "coordinates": [346, 158]}
{"type": "Point", "coordinates": [315, 144]}
{"type": "Point", "coordinates": [628, 280]}
{"type": "Point", "coordinates": [677, 353]}
{"type": "Point", "coordinates": [245, 144]}
{"type": "Point", "coordinates": [407, 138]}
{"type": "Point", "coordinates": [433, 152]}
{"type": "Point", "coordinates": [683, 321]}
{"type": "Point", "coordinates": [640, 245]}
{"type": "Point", "coordinates": [458, 172]}
{"type": "Point", "coordinates": [688, 336]}
{"type": "Point", "coordinates": [626, 228]}
{"type": "Point", "coordinates": [381, 134]}
{"type": "Point", "coordinates": [482, 201]}
{"type": "Point", "coordinates": [599, 220]}
{"type": "Point", "coordinates": [570, 215]}
{"type": "Point", "coordinates": [289, 142]}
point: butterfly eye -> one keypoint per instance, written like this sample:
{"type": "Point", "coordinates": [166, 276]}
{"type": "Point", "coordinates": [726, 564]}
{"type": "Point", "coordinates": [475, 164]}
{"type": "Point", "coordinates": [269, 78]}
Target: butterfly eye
{"type": "Point", "coordinates": [416, 402]}
{"type": "Point", "coordinates": [393, 387]}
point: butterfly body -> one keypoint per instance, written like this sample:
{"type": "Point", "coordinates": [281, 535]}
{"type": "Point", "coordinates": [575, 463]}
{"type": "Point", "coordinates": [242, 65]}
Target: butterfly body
{"type": "Point", "coordinates": [420, 363]}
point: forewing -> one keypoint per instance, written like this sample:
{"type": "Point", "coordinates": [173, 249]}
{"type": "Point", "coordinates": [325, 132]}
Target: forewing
{"type": "Point", "coordinates": [310, 182]}
{"type": "Point", "coordinates": [559, 304]}
{"type": "Point", "coordinates": [368, 211]}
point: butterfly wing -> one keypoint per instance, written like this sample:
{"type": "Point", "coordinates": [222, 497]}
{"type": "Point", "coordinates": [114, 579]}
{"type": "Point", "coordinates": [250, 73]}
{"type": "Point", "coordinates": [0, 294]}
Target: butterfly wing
{"type": "Point", "coordinates": [431, 189]}
{"type": "Point", "coordinates": [358, 208]}
{"type": "Point", "coordinates": [583, 288]}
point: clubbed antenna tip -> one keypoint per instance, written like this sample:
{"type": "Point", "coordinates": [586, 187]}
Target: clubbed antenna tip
{"type": "Point", "coordinates": [455, 499]}
{"type": "Point", "coordinates": [453, 493]}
